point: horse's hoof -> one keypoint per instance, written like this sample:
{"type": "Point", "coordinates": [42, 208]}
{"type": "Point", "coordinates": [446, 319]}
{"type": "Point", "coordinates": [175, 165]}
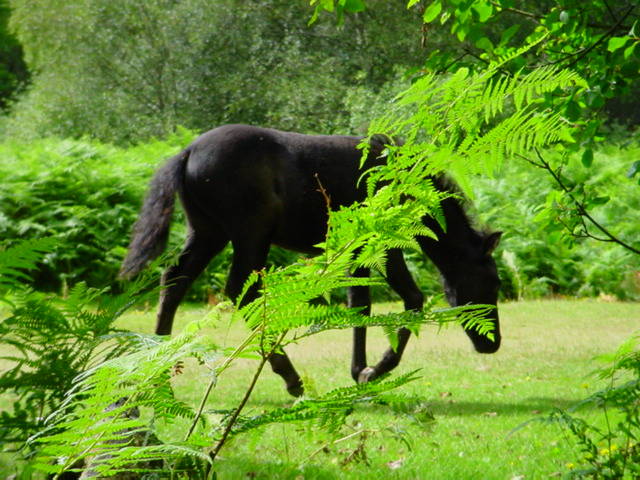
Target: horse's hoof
{"type": "Point", "coordinates": [367, 374]}
{"type": "Point", "coordinates": [296, 390]}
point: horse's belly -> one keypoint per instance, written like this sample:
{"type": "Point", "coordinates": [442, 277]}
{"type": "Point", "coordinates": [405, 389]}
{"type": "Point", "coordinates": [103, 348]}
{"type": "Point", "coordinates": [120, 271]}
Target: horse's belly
{"type": "Point", "coordinates": [302, 234]}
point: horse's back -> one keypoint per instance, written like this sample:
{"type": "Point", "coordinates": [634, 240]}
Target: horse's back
{"type": "Point", "coordinates": [249, 178]}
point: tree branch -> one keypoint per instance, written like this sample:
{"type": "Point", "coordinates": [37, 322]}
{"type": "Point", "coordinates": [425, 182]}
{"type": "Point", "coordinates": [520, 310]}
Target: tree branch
{"type": "Point", "coordinates": [517, 11]}
{"type": "Point", "coordinates": [245, 399]}
{"type": "Point", "coordinates": [580, 54]}
{"type": "Point", "coordinates": [538, 17]}
{"type": "Point", "coordinates": [580, 206]}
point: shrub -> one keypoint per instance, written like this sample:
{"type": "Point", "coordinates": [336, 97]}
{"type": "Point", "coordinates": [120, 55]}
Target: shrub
{"type": "Point", "coordinates": [85, 195]}
{"type": "Point", "coordinates": [539, 256]}
{"type": "Point", "coordinates": [609, 446]}
{"type": "Point", "coordinates": [48, 341]}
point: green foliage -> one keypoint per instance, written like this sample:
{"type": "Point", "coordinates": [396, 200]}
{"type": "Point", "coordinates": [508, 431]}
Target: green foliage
{"type": "Point", "coordinates": [141, 382]}
{"type": "Point", "coordinates": [83, 194]}
{"type": "Point", "coordinates": [597, 39]}
{"type": "Point", "coordinates": [124, 72]}
{"type": "Point", "coordinates": [328, 410]}
{"type": "Point", "coordinates": [48, 341]}
{"type": "Point", "coordinates": [609, 448]}
{"type": "Point", "coordinates": [95, 425]}
{"type": "Point", "coordinates": [542, 256]}
{"type": "Point", "coordinates": [13, 71]}
{"type": "Point", "coordinates": [458, 126]}
{"type": "Point", "coordinates": [23, 256]}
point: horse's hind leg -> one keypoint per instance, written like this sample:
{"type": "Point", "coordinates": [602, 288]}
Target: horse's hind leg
{"type": "Point", "coordinates": [250, 254]}
{"type": "Point", "coordinates": [400, 280]}
{"type": "Point", "coordinates": [198, 250]}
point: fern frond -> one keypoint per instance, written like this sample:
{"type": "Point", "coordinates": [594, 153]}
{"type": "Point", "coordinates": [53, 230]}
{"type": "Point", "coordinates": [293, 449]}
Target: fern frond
{"type": "Point", "coordinates": [19, 258]}
{"type": "Point", "coordinates": [330, 408]}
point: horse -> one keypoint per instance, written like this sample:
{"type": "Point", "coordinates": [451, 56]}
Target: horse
{"type": "Point", "coordinates": [256, 187]}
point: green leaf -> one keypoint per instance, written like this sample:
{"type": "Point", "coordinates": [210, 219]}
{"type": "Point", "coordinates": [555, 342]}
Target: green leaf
{"type": "Point", "coordinates": [629, 50]}
{"type": "Point", "coordinates": [616, 43]}
{"type": "Point", "coordinates": [412, 3]}
{"type": "Point", "coordinates": [432, 11]}
{"type": "Point", "coordinates": [354, 6]}
{"type": "Point", "coordinates": [587, 157]}
{"type": "Point", "coordinates": [572, 110]}
{"type": "Point", "coordinates": [484, 10]}
{"type": "Point", "coordinates": [633, 169]}
{"type": "Point", "coordinates": [508, 33]}
{"type": "Point", "coordinates": [485, 44]}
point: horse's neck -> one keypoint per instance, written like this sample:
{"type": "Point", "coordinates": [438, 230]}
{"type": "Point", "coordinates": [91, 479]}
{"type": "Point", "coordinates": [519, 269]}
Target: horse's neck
{"type": "Point", "coordinates": [453, 241]}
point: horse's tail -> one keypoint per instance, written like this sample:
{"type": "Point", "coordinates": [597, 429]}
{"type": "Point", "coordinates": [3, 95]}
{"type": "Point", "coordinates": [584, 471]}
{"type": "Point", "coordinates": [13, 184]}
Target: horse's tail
{"type": "Point", "coordinates": [151, 230]}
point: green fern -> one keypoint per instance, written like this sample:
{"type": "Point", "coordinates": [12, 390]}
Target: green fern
{"type": "Point", "coordinates": [330, 409]}
{"type": "Point", "coordinates": [52, 340]}
{"type": "Point", "coordinates": [16, 260]}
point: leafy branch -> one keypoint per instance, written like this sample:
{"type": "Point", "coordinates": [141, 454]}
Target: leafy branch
{"type": "Point", "coordinates": [585, 217]}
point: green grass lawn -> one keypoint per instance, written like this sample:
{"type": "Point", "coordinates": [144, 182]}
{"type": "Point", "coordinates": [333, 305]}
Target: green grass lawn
{"type": "Point", "coordinates": [459, 417]}
{"type": "Point", "coordinates": [476, 400]}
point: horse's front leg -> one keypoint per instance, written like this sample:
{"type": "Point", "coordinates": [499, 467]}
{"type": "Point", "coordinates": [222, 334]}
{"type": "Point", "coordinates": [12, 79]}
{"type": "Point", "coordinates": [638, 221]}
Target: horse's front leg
{"type": "Point", "coordinates": [400, 280]}
{"type": "Point", "coordinates": [359, 297]}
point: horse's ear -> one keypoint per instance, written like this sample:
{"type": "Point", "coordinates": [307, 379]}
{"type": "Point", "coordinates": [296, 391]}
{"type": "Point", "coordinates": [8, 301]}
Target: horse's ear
{"type": "Point", "coordinates": [491, 242]}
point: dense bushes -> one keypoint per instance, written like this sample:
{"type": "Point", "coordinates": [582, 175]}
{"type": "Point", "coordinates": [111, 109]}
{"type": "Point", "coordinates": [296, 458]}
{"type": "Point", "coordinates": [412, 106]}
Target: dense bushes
{"type": "Point", "coordinates": [86, 195]}
{"type": "Point", "coordinates": [538, 256]}
{"type": "Point", "coordinates": [83, 194]}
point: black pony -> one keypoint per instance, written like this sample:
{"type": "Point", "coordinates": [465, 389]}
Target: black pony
{"type": "Point", "coordinates": [256, 187]}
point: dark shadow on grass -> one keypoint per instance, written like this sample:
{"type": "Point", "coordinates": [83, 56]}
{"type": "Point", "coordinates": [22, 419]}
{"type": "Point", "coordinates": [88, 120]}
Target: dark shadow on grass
{"type": "Point", "coordinates": [252, 468]}
{"type": "Point", "coordinates": [532, 406]}
{"type": "Point", "coordinates": [449, 406]}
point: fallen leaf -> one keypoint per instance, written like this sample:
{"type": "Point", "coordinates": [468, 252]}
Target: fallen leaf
{"type": "Point", "coordinates": [490, 414]}
{"type": "Point", "coordinates": [445, 394]}
{"type": "Point", "coordinates": [396, 464]}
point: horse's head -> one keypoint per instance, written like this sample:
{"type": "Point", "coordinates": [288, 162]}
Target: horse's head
{"type": "Point", "coordinates": [472, 278]}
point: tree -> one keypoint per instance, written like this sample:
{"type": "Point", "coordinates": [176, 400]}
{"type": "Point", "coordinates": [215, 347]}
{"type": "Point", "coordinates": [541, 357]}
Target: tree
{"type": "Point", "coordinates": [125, 71]}
{"type": "Point", "coordinates": [596, 39]}
{"type": "Point", "coordinates": [13, 71]}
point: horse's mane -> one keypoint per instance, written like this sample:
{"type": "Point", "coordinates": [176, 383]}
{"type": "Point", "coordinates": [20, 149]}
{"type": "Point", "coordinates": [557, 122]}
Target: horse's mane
{"type": "Point", "coordinates": [457, 207]}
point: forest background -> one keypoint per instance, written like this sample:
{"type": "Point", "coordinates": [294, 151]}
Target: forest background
{"type": "Point", "coordinates": [96, 94]}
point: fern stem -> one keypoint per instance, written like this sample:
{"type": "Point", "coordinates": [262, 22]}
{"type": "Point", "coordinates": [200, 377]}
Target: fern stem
{"type": "Point", "coordinates": [213, 382]}
{"type": "Point", "coordinates": [245, 399]}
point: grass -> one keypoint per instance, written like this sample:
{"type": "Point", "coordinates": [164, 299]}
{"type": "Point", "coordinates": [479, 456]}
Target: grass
{"type": "Point", "coordinates": [460, 419]}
